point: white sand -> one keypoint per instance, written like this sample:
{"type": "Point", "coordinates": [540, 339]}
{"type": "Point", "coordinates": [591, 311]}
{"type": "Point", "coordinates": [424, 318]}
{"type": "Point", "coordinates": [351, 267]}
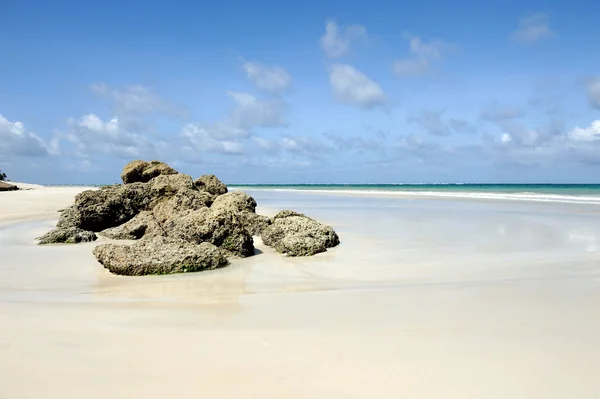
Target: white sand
{"type": "Point", "coordinates": [423, 299]}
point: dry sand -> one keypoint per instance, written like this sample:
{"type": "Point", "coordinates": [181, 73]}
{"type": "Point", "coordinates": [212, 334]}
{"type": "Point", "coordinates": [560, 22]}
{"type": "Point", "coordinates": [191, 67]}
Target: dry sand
{"type": "Point", "coordinates": [423, 299]}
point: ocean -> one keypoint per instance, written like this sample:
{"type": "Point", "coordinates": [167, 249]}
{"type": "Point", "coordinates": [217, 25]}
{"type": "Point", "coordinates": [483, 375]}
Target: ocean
{"type": "Point", "coordinates": [561, 193]}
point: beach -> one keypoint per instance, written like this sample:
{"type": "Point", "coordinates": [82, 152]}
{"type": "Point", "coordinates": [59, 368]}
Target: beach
{"type": "Point", "coordinates": [426, 297]}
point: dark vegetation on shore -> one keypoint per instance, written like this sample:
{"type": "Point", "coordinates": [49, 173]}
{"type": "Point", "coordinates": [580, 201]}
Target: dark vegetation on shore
{"type": "Point", "coordinates": [4, 186]}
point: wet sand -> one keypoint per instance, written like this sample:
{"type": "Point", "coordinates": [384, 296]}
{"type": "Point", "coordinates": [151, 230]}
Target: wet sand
{"type": "Point", "coordinates": [425, 298]}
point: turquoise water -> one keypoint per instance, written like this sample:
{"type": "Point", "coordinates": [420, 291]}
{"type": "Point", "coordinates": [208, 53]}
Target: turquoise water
{"type": "Point", "coordinates": [559, 189]}
{"type": "Point", "coordinates": [559, 193]}
{"type": "Point", "coordinates": [563, 193]}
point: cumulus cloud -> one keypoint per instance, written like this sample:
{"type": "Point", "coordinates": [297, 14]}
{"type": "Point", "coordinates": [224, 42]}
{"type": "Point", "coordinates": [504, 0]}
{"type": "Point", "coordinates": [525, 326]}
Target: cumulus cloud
{"type": "Point", "coordinates": [350, 86]}
{"type": "Point", "coordinates": [496, 112]}
{"type": "Point", "coordinates": [593, 92]}
{"type": "Point", "coordinates": [249, 111]}
{"type": "Point", "coordinates": [91, 135]}
{"type": "Point", "coordinates": [434, 123]}
{"type": "Point", "coordinates": [522, 135]}
{"type": "Point", "coordinates": [267, 78]}
{"type": "Point", "coordinates": [423, 54]}
{"type": "Point", "coordinates": [590, 133]}
{"type": "Point", "coordinates": [532, 28]}
{"type": "Point", "coordinates": [136, 101]}
{"type": "Point", "coordinates": [337, 39]}
{"type": "Point", "coordinates": [16, 140]}
{"type": "Point", "coordinates": [203, 140]}
{"type": "Point", "coordinates": [310, 147]}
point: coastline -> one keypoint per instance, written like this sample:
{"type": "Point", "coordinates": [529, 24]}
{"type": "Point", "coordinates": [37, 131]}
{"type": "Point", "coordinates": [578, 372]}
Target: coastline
{"type": "Point", "coordinates": [486, 298]}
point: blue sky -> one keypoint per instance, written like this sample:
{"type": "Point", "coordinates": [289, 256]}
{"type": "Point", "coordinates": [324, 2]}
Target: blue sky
{"type": "Point", "coordinates": [320, 92]}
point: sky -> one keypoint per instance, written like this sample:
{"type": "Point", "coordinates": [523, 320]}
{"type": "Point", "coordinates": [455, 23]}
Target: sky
{"type": "Point", "coordinates": [268, 91]}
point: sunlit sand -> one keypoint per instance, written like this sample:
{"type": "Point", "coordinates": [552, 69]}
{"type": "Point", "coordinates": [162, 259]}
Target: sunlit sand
{"type": "Point", "coordinates": [424, 298]}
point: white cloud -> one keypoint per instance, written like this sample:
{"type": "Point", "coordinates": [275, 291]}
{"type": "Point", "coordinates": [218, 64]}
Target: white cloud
{"type": "Point", "coordinates": [202, 140]}
{"type": "Point", "coordinates": [90, 135]}
{"type": "Point", "coordinates": [590, 133]}
{"type": "Point", "coordinates": [137, 100]}
{"type": "Point", "coordinates": [337, 39]}
{"type": "Point", "coordinates": [423, 54]}
{"type": "Point", "coordinates": [310, 147]}
{"type": "Point", "coordinates": [251, 112]}
{"type": "Point", "coordinates": [532, 28]}
{"type": "Point", "coordinates": [350, 86]}
{"type": "Point", "coordinates": [526, 136]}
{"type": "Point", "coordinates": [593, 91]}
{"type": "Point", "coordinates": [272, 79]}
{"type": "Point", "coordinates": [16, 140]}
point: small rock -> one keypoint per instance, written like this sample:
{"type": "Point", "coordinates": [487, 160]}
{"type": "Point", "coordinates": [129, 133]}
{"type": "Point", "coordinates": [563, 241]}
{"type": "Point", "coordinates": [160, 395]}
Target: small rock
{"type": "Point", "coordinates": [299, 235]}
{"type": "Point", "coordinates": [142, 171]}
{"type": "Point", "coordinates": [69, 235]}
{"type": "Point", "coordinates": [211, 184]}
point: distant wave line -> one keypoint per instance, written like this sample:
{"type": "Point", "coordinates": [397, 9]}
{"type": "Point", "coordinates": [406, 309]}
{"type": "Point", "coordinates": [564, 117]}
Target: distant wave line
{"type": "Point", "coordinates": [556, 198]}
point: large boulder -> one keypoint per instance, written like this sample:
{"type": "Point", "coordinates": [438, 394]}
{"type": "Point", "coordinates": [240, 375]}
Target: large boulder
{"type": "Point", "coordinates": [69, 235]}
{"type": "Point", "coordinates": [210, 184]}
{"type": "Point", "coordinates": [222, 229]}
{"type": "Point", "coordinates": [96, 210]}
{"type": "Point", "coordinates": [159, 255]}
{"type": "Point", "coordinates": [294, 234]}
{"type": "Point", "coordinates": [141, 171]}
{"type": "Point", "coordinates": [150, 223]}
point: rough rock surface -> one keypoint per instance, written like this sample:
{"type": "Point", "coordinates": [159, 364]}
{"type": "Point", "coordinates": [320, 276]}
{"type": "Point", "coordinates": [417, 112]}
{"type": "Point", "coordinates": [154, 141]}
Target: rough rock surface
{"type": "Point", "coordinates": [150, 223]}
{"type": "Point", "coordinates": [211, 184]}
{"type": "Point", "coordinates": [254, 223]}
{"type": "Point", "coordinates": [111, 206]}
{"type": "Point", "coordinates": [7, 186]}
{"type": "Point", "coordinates": [159, 255]}
{"type": "Point", "coordinates": [235, 201]}
{"type": "Point", "coordinates": [142, 171]}
{"type": "Point", "coordinates": [295, 234]}
{"type": "Point", "coordinates": [245, 207]}
{"type": "Point", "coordinates": [286, 213]}
{"type": "Point", "coordinates": [96, 210]}
{"type": "Point", "coordinates": [222, 229]}
{"type": "Point", "coordinates": [69, 235]}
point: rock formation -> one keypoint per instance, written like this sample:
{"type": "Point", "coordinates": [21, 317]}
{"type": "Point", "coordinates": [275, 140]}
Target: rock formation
{"type": "Point", "coordinates": [180, 225]}
{"type": "Point", "coordinates": [295, 234]}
